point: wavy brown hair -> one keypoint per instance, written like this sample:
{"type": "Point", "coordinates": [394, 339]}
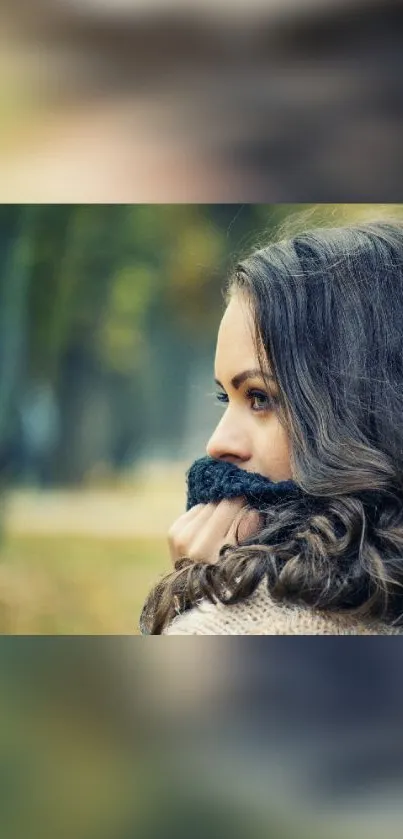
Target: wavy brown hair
{"type": "Point", "coordinates": [328, 314]}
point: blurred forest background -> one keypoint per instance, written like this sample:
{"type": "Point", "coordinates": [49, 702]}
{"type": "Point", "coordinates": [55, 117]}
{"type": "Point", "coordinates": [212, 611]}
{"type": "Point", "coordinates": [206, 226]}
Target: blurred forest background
{"type": "Point", "coordinates": [108, 319]}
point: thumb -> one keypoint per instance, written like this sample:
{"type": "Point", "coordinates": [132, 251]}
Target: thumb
{"type": "Point", "coordinates": [249, 523]}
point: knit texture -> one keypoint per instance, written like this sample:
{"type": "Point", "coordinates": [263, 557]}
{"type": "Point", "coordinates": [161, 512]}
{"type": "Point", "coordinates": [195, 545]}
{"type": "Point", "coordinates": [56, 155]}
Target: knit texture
{"type": "Point", "coordinates": [261, 615]}
{"type": "Point", "coordinates": [210, 480]}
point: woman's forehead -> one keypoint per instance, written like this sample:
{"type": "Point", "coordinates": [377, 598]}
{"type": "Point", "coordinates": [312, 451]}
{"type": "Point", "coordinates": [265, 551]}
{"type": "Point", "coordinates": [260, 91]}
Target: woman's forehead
{"type": "Point", "coordinates": [237, 321]}
{"type": "Point", "coordinates": [235, 340]}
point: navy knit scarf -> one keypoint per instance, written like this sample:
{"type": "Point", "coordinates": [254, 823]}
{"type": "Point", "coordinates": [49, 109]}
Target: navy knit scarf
{"type": "Point", "coordinates": [210, 480]}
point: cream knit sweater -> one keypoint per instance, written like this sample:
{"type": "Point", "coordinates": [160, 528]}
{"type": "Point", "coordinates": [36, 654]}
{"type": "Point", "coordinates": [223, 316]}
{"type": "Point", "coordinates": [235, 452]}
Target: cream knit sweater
{"type": "Point", "coordinates": [261, 615]}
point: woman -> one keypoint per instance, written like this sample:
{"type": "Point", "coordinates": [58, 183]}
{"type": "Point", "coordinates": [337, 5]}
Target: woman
{"type": "Point", "coordinates": [295, 518]}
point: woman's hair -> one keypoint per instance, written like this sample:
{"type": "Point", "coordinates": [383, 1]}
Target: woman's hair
{"type": "Point", "coordinates": [328, 314]}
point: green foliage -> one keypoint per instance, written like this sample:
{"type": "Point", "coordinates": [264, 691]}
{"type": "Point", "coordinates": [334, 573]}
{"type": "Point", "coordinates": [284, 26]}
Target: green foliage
{"type": "Point", "coordinates": [101, 274]}
{"type": "Point", "coordinates": [120, 340]}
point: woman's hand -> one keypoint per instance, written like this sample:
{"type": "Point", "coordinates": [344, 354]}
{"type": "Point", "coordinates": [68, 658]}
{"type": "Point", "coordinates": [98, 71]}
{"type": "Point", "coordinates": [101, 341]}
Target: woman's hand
{"type": "Point", "coordinates": [200, 533]}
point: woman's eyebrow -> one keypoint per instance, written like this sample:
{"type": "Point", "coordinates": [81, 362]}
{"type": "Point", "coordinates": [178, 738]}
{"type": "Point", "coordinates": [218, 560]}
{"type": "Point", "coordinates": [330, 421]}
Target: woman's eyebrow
{"type": "Point", "coordinates": [237, 380]}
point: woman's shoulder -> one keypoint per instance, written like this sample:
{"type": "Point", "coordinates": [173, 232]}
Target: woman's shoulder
{"type": "Point", "coordinates": [261, 615]}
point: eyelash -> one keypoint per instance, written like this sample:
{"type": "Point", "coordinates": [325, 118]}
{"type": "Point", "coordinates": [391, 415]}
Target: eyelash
{"type": "Point", "coordinates": [251, 394]}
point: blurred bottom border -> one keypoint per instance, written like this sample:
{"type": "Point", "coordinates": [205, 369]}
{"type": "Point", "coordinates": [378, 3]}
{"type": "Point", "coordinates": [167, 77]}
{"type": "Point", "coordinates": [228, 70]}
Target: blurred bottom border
{"type": "Point", "coordinates": [128, 736]}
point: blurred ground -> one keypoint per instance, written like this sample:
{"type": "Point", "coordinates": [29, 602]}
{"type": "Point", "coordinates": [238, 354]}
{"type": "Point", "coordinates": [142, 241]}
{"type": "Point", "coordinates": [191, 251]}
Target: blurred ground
{"type": "Point", "coordinates": [98, 513]}
{"type": "Point", "coordinates": [82, 562]}
{"type": "Point", "coordinates": [76, 586]}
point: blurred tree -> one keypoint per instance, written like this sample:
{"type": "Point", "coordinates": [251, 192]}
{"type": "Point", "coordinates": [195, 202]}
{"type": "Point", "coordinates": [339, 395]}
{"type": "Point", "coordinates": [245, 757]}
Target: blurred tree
{"type": "Point", "coordinates": [17, 235]}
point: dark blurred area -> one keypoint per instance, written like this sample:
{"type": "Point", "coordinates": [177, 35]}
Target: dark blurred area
{"type": "Point", "coordinates": [128, 101]}
{"type": "Point", "coordinates": [280, 738]}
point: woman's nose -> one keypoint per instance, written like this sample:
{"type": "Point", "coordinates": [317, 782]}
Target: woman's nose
{"type": "Point", "coordinates": [228, 442]}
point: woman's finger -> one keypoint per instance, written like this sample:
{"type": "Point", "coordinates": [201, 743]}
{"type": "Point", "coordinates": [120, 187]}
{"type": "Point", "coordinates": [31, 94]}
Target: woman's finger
{"type": "Point", "coordinates": [209, 539]}
{"type": "Point", "coordinates": [199, 510]}
{"type": "Point", "coordinates": [247, 524]}
{"type": "Point", "coordinates": [188, 515]}
{"type": "Point", "coordinates": [201, 535]}
{"type": "Point", "coordinates": [183, 532]}
{"type": "Point", "coordinates": [225, 515]}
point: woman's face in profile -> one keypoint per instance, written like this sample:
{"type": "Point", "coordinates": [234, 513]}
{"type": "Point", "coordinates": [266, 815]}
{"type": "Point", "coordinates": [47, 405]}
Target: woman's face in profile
{"type": "Point", "coordinates": [249, 433]}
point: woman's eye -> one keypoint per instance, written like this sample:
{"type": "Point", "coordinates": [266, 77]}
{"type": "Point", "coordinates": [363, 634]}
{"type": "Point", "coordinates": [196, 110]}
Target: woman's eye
{"type": "Point", "coordinates": [259, 400]}
{"type": "Point", "coordinates": [221, 397]}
